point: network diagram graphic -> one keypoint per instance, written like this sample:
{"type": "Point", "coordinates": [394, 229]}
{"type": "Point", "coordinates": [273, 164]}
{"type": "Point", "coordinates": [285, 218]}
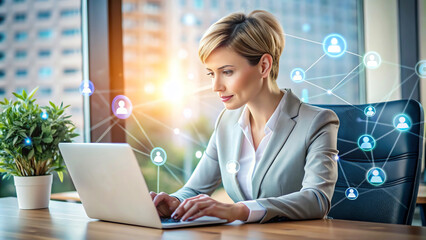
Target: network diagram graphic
{"type": "Point", "coordinates": [334, 46]}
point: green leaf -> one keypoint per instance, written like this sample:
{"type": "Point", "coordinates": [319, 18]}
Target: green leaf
{"type": "Point", "coordinates": [14, 140]}
{"type": "Point", "coordinates": [31, 154]}
{"type": "Point", "coordinates": [18, 96]}
{"type": "Point", "coordinates": [39, 149]}
{"type": "Point", "coordinates": [32, 129]}
{"type": "Point", "coordinates": [47, 139]}
{"type": "Point", "coordinates": [24, 94]}
{"type": "Point", "coordinates": [52, 104]}
{"type": "Point", "coordinates": [32, 93]}
{"type": "Point", "coordinates": [61, 176]}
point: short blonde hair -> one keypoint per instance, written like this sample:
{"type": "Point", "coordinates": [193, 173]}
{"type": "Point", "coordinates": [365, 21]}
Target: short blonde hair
{"type": "Point", "coordinates": [250, 35]}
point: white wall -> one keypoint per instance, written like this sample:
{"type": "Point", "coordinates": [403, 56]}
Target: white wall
{"type": "Point", "coordinates": [381, 36]}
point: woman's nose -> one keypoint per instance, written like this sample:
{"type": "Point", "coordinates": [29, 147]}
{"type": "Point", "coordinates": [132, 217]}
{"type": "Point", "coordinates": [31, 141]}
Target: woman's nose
{"type": "Point", "coordinates": [217, 85]}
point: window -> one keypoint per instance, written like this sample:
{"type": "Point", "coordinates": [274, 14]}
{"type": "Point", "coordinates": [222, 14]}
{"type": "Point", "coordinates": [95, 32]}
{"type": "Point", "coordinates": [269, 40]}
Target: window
{"type": "Point", "coordinates": [71, 71]}
{"type": "Point", "coordinates": [18, 1]}
{"type": "Point", "coordinates": [69, 32]}
{"type": "Point", "coordinates": [2, 56]}
{"type": "Point", "coordinates": [43, 15]}
{"type": "Point", "coordinates": [20, 89]}
{"type": "Point", "coordinates": [71, 90]}
{"type": "Point", "coordinates": [2, 19]}
{"type": "Point", "coordinates": [2, 92]}
{"type": "Point", "coordinates": [2, 37]}
{"type": "Point", "coordinates": [21, 36]}
{"type": "Point", "coordinates": [2, 74]}
{"type": "Point", "coordinates": [44, 53]}
{"type": "Point", "coordinates": [21, 73]}
{"type": "Point", "coordinates": [45, 34]}
{"type": "Point", "coordinates": [45, 91]}
{"type": "Point", "coordinates": [44, 72]}
{"type": "Point", "coordinates": [19, 17]}
{"type": "Point", "coordinates": [20, 54]}
{"type": "Point", "coordinates": [198, 4]}
{"type": "Point", "coordinates": [71, 51]}
{"type": "Point", "coordinates": [128, 7]}
{"type": "Point", "coordinates": [65, 13]}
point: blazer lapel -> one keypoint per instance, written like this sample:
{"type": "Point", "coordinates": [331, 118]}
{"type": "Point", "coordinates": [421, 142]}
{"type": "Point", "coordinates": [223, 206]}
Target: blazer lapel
{"type": "Point", "coordinates": [237, 195]}
{"type": "Point", "coordinates": [283, 129]}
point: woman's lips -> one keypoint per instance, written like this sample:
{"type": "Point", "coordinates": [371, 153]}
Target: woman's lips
{"type": "Point", "coordinates": [226, 98]}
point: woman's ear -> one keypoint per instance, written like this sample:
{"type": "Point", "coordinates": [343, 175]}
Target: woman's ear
{"type": "Point", "coordinates": [265, 65]}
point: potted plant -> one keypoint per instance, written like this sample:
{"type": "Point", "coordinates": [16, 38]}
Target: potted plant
{"type": "Point", "coordinates": [29, 138]}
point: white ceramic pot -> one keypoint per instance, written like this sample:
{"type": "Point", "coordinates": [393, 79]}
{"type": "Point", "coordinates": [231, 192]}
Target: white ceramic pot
{"type": "Point", "coordinates": [33, 191]}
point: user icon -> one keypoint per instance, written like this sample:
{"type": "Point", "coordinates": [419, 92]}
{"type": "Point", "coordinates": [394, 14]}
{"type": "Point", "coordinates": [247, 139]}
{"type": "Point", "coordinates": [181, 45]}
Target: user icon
{"type": "Point", "coordinates": [372, 61]}
{"type": "Point", "coordinates": [422, 69]}
{"type": "Point", "coordinates": [86, 89]}
{"type": "Point", "coordinates": [376, 176]}
{"type": "Point", "coordinates": [158, 158]}
{"type": "Point", "coordinates": [369, 111]}
{"type": "Point", "coordinates": [366, 142]}
{"type": "Point", "coordinates": [402, 122]}
{"type": "Point", "coordinates": [121, 110]}
{"type": "Point", "coordinates": [334, 47]}
{"type": "Point", "coordinates": [351, 193]}
{"type": "Point", "coordinates": [402, 125]}
{"type": "Point", "coordinates": [297, 76]}
{"type": "Point", "coordinates": [121, 107]}
{"type": "Point", "coordinates": [232, 167]}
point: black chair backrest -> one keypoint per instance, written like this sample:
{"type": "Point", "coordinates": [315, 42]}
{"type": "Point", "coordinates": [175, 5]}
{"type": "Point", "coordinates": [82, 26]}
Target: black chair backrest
{"type": "Point", "coordinates": [398, 153]}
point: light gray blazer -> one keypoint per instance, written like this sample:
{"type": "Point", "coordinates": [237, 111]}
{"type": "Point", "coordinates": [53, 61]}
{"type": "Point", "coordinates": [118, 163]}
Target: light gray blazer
{"type": "Point", "coordinates": [296, 176]}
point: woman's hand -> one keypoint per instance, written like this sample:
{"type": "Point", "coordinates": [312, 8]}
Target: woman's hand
{"type": "Point", "coordinates": [164, 203]}
{"type": "Point", "coordinates": [203, 205]}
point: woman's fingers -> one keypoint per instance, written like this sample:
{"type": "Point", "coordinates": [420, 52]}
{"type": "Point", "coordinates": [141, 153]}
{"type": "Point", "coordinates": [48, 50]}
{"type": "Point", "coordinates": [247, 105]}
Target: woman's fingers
{"type": "Point", "coordinates": [195, 208]}
{"type": "Point", "coordinates": [153, 194]}
{"type": "Point", "coordinates": [187, 204]}
{"type": "Point", "coordinates": [209, 211]}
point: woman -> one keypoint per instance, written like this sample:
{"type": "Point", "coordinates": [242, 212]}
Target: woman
{"type": "Point", "coordinates": [284, 148]}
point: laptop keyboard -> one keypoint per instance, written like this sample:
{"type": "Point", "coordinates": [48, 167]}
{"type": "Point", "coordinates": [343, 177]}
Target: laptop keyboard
{"type": "Point", "coordinates": [169, 220]}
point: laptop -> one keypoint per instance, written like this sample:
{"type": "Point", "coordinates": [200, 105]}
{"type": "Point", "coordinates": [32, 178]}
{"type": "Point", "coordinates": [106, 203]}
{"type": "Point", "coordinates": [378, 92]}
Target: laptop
{"type": "Point", "coordinates": [112, 188]}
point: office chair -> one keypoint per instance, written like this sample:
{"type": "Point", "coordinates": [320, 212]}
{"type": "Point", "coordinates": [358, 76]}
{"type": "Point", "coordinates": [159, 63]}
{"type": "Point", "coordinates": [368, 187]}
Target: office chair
{"type": "Point", "coordinates": [397, 152]}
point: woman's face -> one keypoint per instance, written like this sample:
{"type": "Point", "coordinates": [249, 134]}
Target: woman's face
{"type": "Point", "coordinates": [233, 78]}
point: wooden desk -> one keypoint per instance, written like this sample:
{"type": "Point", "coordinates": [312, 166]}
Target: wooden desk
{"type": "Point", "coordinates": [64, 220]}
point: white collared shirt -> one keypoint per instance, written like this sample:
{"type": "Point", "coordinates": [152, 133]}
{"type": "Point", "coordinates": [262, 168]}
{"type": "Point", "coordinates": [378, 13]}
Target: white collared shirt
{"type": "Point", "coordinates": [249, 159]}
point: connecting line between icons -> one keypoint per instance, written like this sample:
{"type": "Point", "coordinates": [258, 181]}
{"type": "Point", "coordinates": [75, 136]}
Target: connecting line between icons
{"type": "Point", "coordinates": [314, 63]}
{"type": "Point", "coordinates": [304, 39]}
{"type": "Point", "coordinates": [343, 171]}
{"type": "Point", "coordinates": [386, 102]}
{"type": "Point", "coordinates": [174, 175]}
{"type": "Point", "coordinates": [346, 76]}
{"type": "Point", "coordinates": [134, 138]}
{"type": "Point", "coordinates": [107, 130]}
{"type": "Point", "coordinates": [142, 130]}
{"type": "Point", "coordinates": [170, 128]}
{"type": "Point", "coordinates": [158, 179]}
{"type": "Point", "coordinates": [140, 152]}
{"type": "Point", "coordinates": [359, 194]}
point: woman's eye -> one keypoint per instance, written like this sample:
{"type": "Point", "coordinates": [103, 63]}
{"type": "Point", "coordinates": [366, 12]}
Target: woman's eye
{"type": "Point", "coordinates": [228, 72]}
{"type": "Point", "coordinates": [210, 74]}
